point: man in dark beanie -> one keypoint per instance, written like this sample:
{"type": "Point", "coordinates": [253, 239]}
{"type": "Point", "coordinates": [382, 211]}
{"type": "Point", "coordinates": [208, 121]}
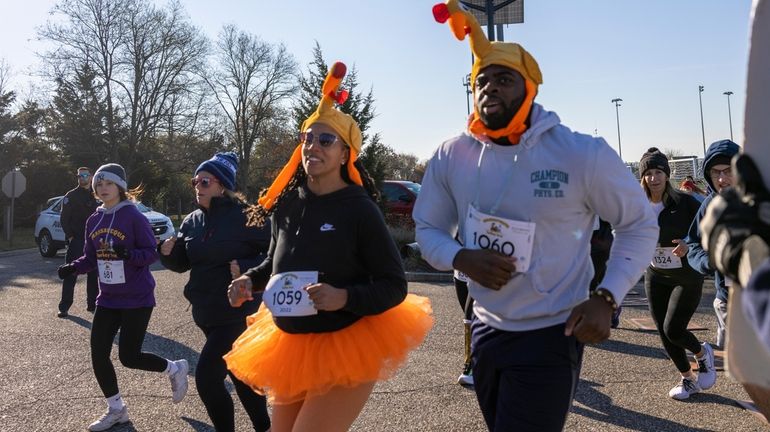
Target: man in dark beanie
{"type": "Point", "coordinates": [719, 176]}
{"type": "Point", "coordinates": [77, 205]}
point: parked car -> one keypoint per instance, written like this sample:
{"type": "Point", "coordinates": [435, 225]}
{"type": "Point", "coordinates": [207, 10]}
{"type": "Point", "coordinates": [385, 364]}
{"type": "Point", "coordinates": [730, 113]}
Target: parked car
{"type": "Point", "coordinates": [49, 234]}
{"type": "Point", "coordinates": [399, 196]}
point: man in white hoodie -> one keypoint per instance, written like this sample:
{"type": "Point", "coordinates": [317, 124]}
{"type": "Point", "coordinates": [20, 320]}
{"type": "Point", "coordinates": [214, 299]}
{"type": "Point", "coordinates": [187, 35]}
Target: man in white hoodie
{"type": "Point", "coordinates": [522, 192]}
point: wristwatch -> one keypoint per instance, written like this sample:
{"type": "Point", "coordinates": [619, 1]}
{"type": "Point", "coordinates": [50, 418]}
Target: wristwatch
{"type": "Point", "coordinates": [606, 295]}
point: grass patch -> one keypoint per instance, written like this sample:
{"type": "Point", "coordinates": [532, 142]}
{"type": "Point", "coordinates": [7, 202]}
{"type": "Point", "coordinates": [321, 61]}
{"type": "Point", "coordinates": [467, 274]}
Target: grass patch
{"type": "Point", "coordinates": [23, 238]}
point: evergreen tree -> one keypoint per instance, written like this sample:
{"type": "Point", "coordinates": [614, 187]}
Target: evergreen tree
{"type": "Point", "coordinates": [359, 105]}
{"type": "Point", "coordinates": [78, 120]}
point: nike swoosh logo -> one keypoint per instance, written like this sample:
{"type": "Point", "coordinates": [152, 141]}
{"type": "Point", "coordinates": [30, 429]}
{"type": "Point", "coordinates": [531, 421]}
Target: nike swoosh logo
{"type": "Point", "coordinates": [327, 227]}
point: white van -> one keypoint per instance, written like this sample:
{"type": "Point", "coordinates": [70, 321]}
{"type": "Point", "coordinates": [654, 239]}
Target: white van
{"type": "Point", "coordinates": [49, 234]}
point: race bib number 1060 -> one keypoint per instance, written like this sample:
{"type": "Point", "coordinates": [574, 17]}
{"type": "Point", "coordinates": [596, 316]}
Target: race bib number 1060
{"type": "Point", "coordinates": [509, 237]}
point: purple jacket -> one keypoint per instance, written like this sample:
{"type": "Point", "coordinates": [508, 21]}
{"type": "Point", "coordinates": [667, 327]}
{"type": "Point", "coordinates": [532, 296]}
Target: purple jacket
{"type": "Point", "coordinates": [121, 225]}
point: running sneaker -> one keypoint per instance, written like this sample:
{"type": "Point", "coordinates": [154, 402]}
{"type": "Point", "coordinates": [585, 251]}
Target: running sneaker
{"type": "Point", "coordinates": [616, 317]}
{"type": "Point", "coordinates": [721, 337]}
{"type": "Point", "coordinates": [110, 419]}
{"type": "Point", "coordinates": [685, 388]}
{"type": "Point", "coordinates": [466, 378]}
{"type": "Point", "coordinates": [707, 373]}
{"type": "Point", "coordinates": [179, 380]}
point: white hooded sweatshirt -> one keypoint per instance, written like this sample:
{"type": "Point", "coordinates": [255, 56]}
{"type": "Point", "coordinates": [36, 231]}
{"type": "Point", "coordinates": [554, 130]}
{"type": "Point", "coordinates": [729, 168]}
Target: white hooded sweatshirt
{"type": "Point", "coordinates": [558, 179]}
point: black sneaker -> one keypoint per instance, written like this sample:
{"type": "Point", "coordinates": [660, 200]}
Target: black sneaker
{"type": "Point", "coordinates": [62, 314]}
{"type": "Point", "coordinates": [615, 323]}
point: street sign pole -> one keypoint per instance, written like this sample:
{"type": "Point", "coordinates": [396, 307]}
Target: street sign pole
{"type": "Point", "coordinates": [13, 200]}
{"type": "Point", "coordinates": [12, 187]}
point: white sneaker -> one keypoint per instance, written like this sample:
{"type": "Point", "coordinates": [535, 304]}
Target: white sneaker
{"type": "Point", "coordinates": [707, 373]}
{"type": "Point", "coordinates": [684, 389]}
{"type": "Point", "coordinates": [110, 419]}
{"type": "Point", "coordinates": [465, 379]}
{"type": "Point", "coordinates": [721, 337]}
{"type": "Point", "coordinates": [179, 381]}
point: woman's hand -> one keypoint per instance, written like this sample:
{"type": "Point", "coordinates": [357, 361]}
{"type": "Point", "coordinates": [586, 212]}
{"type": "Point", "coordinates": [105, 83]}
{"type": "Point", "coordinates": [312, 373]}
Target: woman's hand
{"type": "Point", "coordinates": [167, 246]}
{"type": "Point", "coordinates": [681, 247]}
{"type": "Point", "coordinates": [326, 297]}
{"type": "Point", "coordinates": [240, 291]}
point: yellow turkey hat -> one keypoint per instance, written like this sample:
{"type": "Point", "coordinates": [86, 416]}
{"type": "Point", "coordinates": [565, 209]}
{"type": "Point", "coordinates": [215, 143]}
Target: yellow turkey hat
{"type": "Point", "coordinates": [343, 124]}
{"type": "Point", "coordinates": [486, 53]}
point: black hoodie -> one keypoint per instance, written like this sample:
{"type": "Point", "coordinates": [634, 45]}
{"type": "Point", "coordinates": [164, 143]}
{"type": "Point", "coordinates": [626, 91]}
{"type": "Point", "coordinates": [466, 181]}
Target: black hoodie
{"type": "Point", "coordinates": [343, 236]}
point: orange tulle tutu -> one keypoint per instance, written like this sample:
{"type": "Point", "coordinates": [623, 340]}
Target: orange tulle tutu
{"type": "Point", "coordinates": [290, 367]}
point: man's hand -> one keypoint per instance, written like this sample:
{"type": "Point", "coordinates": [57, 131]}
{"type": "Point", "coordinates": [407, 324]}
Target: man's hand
{"type": "Point", "coordinates": [167, 246]}
{"type": "Point", "coordinates": [590, 321]}
{"type": "Point", "coordinates": [66, 270]}
{"type": "Point", "coordinates": [326, 297]}
{"type": "Point", "coordinates": [681, 248]}
{"type": "Point", "coordinates": [240, 291]}
{"type": "Point", "coordinates": [489, 268]}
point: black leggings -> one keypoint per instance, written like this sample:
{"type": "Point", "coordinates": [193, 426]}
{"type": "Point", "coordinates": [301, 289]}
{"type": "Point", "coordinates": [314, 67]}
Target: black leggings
{"type": "Point", "coordinates": [133, 326]}
{"type": "Point", "coordinates": [673, 301]}
{"type": "Point", "coordinates": [210, 376]}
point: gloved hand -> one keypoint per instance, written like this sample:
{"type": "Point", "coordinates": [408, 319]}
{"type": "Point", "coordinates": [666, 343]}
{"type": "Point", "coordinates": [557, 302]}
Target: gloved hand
{"type": "Point", "coordinates": [66, 270]}
{"type": "Point", "coordinates": [121, 251]}
{"type": "Point", "coordinates": [734, 217]}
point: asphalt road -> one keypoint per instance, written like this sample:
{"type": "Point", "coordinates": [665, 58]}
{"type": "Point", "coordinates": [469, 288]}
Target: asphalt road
{"type": "Point", "coordinates": [46, 383]}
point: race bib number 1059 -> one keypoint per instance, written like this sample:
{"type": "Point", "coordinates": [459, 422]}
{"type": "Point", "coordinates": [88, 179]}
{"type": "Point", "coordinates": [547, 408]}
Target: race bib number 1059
{"type": "Point", "coordinates": [285, 294]}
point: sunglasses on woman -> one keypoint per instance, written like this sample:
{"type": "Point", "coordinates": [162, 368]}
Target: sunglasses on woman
{"type": "Point", "coordinates": [324, 139]}
{"type": "Point", "coordinates": [205, 182]}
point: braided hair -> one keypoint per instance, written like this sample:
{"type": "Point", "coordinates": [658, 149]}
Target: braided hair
{"type": "Point", "coordinates": [257, 215]}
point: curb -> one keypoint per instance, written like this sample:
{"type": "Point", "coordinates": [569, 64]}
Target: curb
{"type": "Point", "coordinates": [429, 277]}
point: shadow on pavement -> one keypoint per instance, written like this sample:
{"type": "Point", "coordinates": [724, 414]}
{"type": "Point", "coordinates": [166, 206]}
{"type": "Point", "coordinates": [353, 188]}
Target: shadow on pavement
{"type": "Point", "coordinates": [125, 427]}
{"type": "Point", "coordinates": [632, 349]}
{"type": "Point", "coordinates": [198, 426]}
{"type": "Point", "coordinates": [159, 345]}
{"type": "Point", "coordinates": [601, 409]}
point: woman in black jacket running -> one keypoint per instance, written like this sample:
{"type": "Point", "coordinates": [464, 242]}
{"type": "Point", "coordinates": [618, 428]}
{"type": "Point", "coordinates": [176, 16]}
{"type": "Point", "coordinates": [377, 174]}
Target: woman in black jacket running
{"type": "Point", "coordinates": [214, 243]}
{"type": "Point", "coordinates": [673, 287]}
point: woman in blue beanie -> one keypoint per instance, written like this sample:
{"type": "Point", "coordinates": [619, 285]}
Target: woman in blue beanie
{"type": "Point", "coordinates": [214, 244]}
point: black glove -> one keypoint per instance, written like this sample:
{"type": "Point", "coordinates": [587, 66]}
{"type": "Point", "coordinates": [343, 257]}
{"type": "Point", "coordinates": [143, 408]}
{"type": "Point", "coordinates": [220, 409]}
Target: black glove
{"type": "Point", "coordinates": [734, 216]}
{"type": "Point", "coordinates": [121, 251]}
{"type": "Point", "coordinates": [66, 270]}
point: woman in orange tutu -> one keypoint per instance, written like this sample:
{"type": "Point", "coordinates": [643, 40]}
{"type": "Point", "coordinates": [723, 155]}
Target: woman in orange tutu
{"type": "Point", "coordinates": [336, 315]}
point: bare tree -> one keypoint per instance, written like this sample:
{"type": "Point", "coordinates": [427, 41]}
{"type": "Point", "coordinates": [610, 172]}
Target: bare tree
{"type": "Point", "coordinates": [250, 80]}
{"type": "Point", "coordinates": [144, 57]}
{"type": "Point", "coordinates": [673, 152]}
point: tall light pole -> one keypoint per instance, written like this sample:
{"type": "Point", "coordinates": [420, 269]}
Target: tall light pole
{"type": "Point", "coordinates": [729, 114]}
{"type": "Point", "coordinates": [617, 101]}
{"type": "Point", "coordinates": [702, 128]}
{"type": "Point", "coordinates": [468, 92]}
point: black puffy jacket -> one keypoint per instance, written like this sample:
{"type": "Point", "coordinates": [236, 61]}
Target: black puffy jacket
{"type": "Point", "coordinates": [206, 243]}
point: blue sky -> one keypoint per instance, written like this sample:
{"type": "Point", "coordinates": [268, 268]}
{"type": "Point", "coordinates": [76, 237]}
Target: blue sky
{"type": "Point", "coordinates": [653, 54]}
